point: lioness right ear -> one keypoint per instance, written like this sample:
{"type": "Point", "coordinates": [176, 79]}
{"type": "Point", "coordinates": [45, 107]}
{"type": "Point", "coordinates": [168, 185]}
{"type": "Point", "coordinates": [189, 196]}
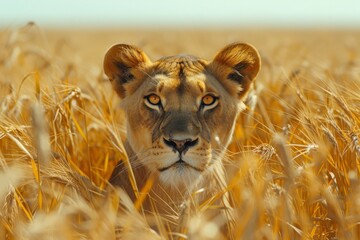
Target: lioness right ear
{"type": "Point", "coordinates": [236, 66]}
{"type": "Point", "coordinates": [125, 67]}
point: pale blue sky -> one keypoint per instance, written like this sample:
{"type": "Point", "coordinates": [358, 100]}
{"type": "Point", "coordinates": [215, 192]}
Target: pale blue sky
{"type": "Point", "coordinates": [162, 13]}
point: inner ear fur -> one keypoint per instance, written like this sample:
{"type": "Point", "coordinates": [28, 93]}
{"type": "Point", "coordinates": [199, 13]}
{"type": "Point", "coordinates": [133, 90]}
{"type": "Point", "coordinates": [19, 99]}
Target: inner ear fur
{"type": "Point", "coordinates": [236, 66]}
{"type": "Point", "coordinates": [125, 66]}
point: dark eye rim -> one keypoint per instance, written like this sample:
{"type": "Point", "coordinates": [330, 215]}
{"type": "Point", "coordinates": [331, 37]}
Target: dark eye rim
{"type": "Point", "coordinates": [216, 98]}
{"type": "Point", "coordinates": [147, 97]}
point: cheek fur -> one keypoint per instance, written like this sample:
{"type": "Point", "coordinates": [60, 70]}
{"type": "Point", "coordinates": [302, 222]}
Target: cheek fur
{"type": "Point", "coordinates": [149, 116]}
{"type": "Point", "coordinates": [221, 122]}
{"type": "Point", "coordinates": [139, 128]}
{"type": "Point", "coordinates": [139, 137]}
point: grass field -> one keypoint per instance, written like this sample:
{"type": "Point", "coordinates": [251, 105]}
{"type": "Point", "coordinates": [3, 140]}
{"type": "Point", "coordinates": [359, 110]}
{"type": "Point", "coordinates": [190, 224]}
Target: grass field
{"type": "Point", "coordinates": [293, 165]}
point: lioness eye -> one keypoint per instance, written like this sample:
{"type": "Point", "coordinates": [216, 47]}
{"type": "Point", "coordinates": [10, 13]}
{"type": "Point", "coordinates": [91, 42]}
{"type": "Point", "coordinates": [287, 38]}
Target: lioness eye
{"type": "Point", "coordinates": [208, 100]}
{"type": "Point", "coordinates": [153, 99]}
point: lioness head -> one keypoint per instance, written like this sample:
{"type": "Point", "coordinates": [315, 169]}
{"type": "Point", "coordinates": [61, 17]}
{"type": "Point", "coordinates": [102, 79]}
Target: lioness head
{"type": "Point", "coordinates": [181, 110]}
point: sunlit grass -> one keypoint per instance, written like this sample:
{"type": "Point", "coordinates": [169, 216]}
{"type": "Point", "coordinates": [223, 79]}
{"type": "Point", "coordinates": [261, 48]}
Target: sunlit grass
{"type": "Point", "coordinates": [293, 165]}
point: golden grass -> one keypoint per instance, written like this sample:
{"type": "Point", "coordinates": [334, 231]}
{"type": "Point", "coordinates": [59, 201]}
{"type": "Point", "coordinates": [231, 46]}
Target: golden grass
{"type": "Point", "coordinates": [293, 165]}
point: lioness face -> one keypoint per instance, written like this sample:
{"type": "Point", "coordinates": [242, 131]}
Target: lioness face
{"type": "Point", "coordinates": [181, 110]}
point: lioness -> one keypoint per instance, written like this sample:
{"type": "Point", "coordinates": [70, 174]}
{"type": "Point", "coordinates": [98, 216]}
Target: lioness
{"type": "Point", "coordinates": [181, 112]}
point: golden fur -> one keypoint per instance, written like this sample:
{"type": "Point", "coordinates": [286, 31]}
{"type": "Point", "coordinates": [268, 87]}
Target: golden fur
{"type": "Point", "coordinates": [175, 136]}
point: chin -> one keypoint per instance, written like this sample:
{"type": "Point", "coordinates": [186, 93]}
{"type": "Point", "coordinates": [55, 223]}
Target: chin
{"type": "Point", "coordinates": [180, 177]}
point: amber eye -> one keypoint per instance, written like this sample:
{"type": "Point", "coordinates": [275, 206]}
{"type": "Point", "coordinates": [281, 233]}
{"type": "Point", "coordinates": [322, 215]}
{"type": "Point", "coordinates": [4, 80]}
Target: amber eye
{"type": "Point", "coordinates": [153, 99]}
{"type": "Point", "coordinates": [208, 100]}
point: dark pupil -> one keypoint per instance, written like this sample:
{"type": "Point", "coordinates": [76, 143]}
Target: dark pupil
{"type": "Point", "coordinates": [153, 99]}
{"type": "Point", "coordinates": [207, 99]}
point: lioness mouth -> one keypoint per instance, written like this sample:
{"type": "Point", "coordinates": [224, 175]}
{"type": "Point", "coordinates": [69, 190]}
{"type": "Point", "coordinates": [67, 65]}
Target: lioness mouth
{"type": "Point", "coordinates": [180, 163]}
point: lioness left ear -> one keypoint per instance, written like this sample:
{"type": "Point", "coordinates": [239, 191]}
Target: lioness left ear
{"type": "Point", "coordinates": [236, 66]}
{"type": "Point", "coordinates": [125, 66]}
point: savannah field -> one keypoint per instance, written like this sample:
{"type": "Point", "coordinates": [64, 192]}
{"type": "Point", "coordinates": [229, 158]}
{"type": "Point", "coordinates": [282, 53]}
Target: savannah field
{"type": "Point", "coordinates": [293, 165]}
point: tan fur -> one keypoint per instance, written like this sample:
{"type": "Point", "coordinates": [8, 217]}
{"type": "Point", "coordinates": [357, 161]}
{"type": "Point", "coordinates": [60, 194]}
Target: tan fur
{"type": "Point", "coordinates": [181, 82]}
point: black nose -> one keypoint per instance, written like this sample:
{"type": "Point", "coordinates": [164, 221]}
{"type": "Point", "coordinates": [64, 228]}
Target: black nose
{"type": "Point", "coordinates": [181, 145]}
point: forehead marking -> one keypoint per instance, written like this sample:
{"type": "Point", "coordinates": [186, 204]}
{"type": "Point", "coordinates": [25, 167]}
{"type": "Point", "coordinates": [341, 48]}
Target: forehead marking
{"type": "Point", "coordinates": [201, 86]}
{"type": "Point", "coordinates": [177, 69]}
{"type": "Point", "coordinates": [160, 87]}
{"type": "Point", "coordinates": [182, 78]}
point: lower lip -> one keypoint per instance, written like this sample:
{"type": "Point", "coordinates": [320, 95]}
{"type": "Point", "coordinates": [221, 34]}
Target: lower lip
{"type": "Point", "coordinates": [179, 163]}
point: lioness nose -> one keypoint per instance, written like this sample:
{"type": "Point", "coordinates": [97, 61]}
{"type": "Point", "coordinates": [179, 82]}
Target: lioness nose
{"type": "Point", "coordinates": [181, 145]}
